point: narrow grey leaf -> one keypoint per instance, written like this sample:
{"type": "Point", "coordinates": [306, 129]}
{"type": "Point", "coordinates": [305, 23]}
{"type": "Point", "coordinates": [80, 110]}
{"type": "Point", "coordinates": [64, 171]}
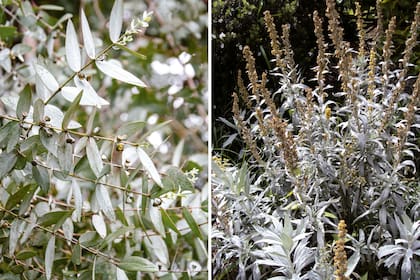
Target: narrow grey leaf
{"type": "Point", "coordinates": [68, 230]}
{"type": "Point", "coordinates": [156, 218]}
{"type": "Point", "coordinates": [42, 177]}
{"type": "Point", "coordinates": [104, 202]}
{"type": "Point", "coordinates": [78, 202]}
{"type": "Point", "coordinates": [39, 107]}
{"type": "Point", "coordinates": [24, 103]}
{"type": "Point", "coordinates": [147, 163]}
{"type": "Point", "coordinates": [94, 158]}
{"type": "Point", "coordinates": [87, 36]}
{"type": "Point", "coordinates": [72, 48]}
{"type": "Point", "coordinates": [14, 235]}
{"type": "Point", "coordinates": [116, 21]}
{"type": "Point", "coordinates": [99, 225]}
{"type": "Point", "coordinates": [49, 257]}
{"type": "Point", "coordinates": [135, 263]}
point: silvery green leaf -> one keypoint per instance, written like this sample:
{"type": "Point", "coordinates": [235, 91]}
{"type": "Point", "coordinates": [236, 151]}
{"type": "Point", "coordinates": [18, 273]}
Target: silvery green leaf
{"type": "Point", "coordinates": [5, 61]}
{"type": "Point", "coordinates": [80, 145]}
{"type": "Point", "coordinates": [5, 132]}
{"type": "Point", "coordinates": [148, 164]}
{"type": "Point", "coordinates": [46, 77]}
{"type": "Point", "coordinates": [17, 197]}
{"type": "Point", "coordinates": [38, 113]}
{"type": "Point", "coordinates": [94, 157]}
{"type": "Point", "coordinates": [114, 70]}
{"type": "Point", "coordinates": [65, 157]}
{"type": "Point", "coordinates": [156, 218]}
{"type": "Point", "coordinates": [68, 230]}
{"type": "Point", "coordinates": [158, 247]}
{"type": "Point", "coordinates": [7, 162]}
{"type": "Point", "coordinates": [104, 202]}
{"type": "Point", "coordinates": [87, 36]}
{"type": "Point", "coordinates": [24, 103]}
{"type": "Point", "coordinates": [121, 274]}
{"type": "Point", "coordinates": [49, 140]}
{"type": "Point", "coordinates": [72, 48]}
{"type": "Point", "coordinates": [41, 90]}
{"type": "Point", "coordinates": [192, 223]}
{"type": "Point", "coordinates": [78, 202]}
{"type": "Point", "coordinates": [135, 263]}
{"type": "Point", "coordinates": [13, 137]}
{"type": "Point", "coordinates": [15, 232]}
{"type": "Point", "coordinates": [116, 21]}
{"type": "Point", "coordinates": [42, 177]}
{"type": "Point", "coordinates": [352, 263]}
{"type": "Point", "coordinates": [49, 257]}
{"type": "Point", "coordinates": [29, 227]}
{"type": "Point", "coordinates": [99, 225]}
{"type": "Point", "coordinates": [76, 254]}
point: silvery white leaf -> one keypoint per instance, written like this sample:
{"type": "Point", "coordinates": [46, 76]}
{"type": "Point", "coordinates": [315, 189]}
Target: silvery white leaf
{"type": "Point", "coordinates": [49, 257]}
{"type": "Point", "coordinates": [87, 36]}
{"type": "Point", "coordinates": [46, 77]}
{"type": "Point", "coordinates": [121, 274]}
{"type": "Point", "coordinates": [114, 70]}
{"type": "Point", "coordinates": [72, 48]}
{"type": "Point", "coordinates": [99, 225]}
{"type": "Point", "coordinates": [78, 201]}
{"type": "Point", "coordinates": [116, 21]}
{"type": "Point", "coordinates": [147, 163]}
{"type": "Point", "coordinates": [94, 157]}
{"type": "Point", "coordinates": [104, 202]}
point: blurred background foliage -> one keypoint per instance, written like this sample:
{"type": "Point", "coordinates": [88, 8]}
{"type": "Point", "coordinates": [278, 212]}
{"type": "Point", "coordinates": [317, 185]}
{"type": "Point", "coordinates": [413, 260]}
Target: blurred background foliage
{"type": "Point", "coordinates": [237, 23]}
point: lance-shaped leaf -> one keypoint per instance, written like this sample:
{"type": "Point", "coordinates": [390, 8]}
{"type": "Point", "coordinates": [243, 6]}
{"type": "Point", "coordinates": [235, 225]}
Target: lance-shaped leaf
{"type": "Point", "coordinates": [114, 70]}
{"type": "Point", "coordinates": [78, 201]}
{"type": "Point", "coordinates": [39, 108]}
{"type": "Point", "coordinates": [72, 48]}
{"type": "Point", "coordinates": [99, 225]}
{"type": "Point", "coordinates": [87, 36]}
{"type": "Point", "coordinates": [46, 78]}
{"type": "Point", "coordinates": [49, 257]}
{"type": "Point", "coordinates": [15, 232]}
{"type": "Point", "coordinates": [42, 177]}
{"type": "Point", "coordinates": [94, 157]}
{"type": "Point", "coordinates": [104, 202]}
{"type": "Point", "coordinates": [7, 162]}
{"type": "Point", "coordinates": [116, 21]}
{"type": "Point", "coordinates": [70, 112]}
{"type": "Point", "coordinates": [135, 263]}
{"type": "Point", "coordinates": [24, 103]}
{"type": "Point", "coordinates": [191, 223]}
{"type": "Point", "coordinates": [147, 163]}
{"type": "Point", "coordinates": [121, 274]}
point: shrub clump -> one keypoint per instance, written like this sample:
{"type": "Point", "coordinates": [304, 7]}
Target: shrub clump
{"type": "Point", "coordinates": [325, 156]}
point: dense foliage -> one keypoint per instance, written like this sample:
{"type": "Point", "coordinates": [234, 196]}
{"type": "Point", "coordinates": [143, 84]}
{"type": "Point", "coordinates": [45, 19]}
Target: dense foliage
{"type": "Point", "coordinates": [103, 130]}
{"type": "Point", "coordinates": [234, 28]}
{"type": "Point", "coordinates": [328, 186]}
